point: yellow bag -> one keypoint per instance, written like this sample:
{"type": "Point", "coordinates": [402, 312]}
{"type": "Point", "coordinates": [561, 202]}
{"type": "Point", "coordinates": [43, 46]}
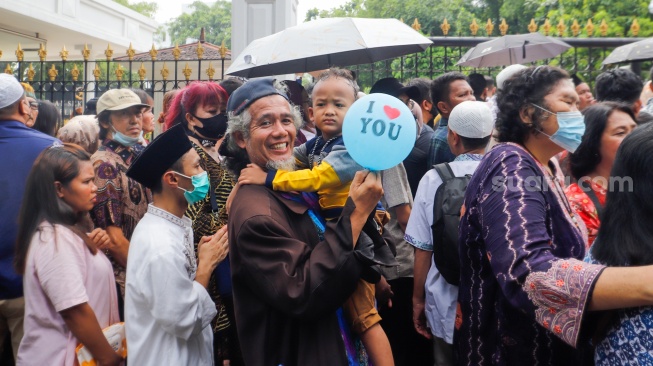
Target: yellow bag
{"type": "Point", "coordinates": [115, 335]}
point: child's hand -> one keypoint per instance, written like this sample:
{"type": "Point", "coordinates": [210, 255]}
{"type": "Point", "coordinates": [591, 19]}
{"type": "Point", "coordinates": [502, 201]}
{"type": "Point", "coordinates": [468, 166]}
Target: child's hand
{"type": "Point", "coordinates": [253, 174]}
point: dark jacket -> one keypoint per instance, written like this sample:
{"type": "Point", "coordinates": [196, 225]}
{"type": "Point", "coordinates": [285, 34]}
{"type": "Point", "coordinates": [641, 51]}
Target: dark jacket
{"type": "Point", "coordinates": [287, 285]}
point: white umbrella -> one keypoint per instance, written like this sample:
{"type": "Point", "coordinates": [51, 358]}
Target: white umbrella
{"type": "Point", "coordinates": [513, 49]}
{"type": "Point", "coordinates": [327, 42]}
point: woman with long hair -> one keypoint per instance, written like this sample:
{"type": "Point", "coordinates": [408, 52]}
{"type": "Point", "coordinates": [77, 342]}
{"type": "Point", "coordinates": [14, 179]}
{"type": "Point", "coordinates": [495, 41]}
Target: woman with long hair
{"type": "Point", "coordinates": [199, 108]}
{"type": "Point", "coordinates": [49, 118]}
{"type": "Point", "coordinates": [625, 238]}
{"type": "Point", "coordinates": [524, 289]}
{"type": "Point", "coordinates": [606, 125]}
{"type": "Point", "coordinates": [70, 293]}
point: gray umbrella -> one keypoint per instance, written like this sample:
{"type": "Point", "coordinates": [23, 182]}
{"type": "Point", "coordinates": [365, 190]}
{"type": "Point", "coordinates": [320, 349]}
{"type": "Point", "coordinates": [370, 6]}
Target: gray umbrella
{"type": "Point", "coordinates": [636, 51]}
{"type": "Point", "coordinates": [513, 49]}
{"type": "Point", "coordinates": [323, 43]}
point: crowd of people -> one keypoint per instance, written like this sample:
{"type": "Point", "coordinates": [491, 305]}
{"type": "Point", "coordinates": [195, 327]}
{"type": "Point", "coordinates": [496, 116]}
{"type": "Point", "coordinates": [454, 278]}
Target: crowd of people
{"type": "Point", "coordinates": [514, 233]}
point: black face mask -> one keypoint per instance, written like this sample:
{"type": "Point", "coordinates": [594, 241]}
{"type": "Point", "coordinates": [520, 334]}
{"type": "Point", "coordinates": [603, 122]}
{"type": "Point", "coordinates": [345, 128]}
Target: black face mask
{"type": "Point", "coordinates": [214, 127]}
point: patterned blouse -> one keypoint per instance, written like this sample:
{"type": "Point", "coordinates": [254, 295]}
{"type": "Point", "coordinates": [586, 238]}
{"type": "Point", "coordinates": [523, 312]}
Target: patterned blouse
{"type": "Point", "coordinates": [524, 287]}
{"type": "Point", "coordinates": [206, 221]}
{"type": "Point", "coordinates": [121, 201]}
{"type": "Point", "coordinates": [583, 205]}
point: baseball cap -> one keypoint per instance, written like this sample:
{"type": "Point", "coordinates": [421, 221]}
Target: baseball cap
{"type": "Point", "coordinates": [471, 119]}
{"type": "Point", "coordinates": [250, 92]}
{"type": "Point", "coordinates": [117, 100]}
{"type": "Point", "coordinates": [10, 90]}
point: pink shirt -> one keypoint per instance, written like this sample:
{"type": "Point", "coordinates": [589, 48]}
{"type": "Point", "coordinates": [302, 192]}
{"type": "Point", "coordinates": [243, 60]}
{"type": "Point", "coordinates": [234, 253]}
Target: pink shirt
{"type": "Point", "coordinates": [60, 273]}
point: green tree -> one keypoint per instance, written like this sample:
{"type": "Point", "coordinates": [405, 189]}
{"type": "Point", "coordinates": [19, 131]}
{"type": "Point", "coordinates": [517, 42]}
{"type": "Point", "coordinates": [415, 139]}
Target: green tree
{"type": "Point", "coordinates": [215, 19]}
{"type": "Point", "coordinates": [143, 7]}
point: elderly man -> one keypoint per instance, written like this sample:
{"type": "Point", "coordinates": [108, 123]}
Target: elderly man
{"type": "Point", "coordinates": [19, 147]}
{"type": "Point", "coordinates": [291, 271]}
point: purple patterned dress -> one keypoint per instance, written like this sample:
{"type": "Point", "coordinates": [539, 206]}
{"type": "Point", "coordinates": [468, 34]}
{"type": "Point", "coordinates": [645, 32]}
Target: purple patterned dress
{"type": "Point", "coordinates": [524, 287]}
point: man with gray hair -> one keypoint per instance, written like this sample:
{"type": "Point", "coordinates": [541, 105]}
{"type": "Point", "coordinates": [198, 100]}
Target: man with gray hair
{"type": "Point", "coordinates": [19, 147]}
{"type": "Point", "coordinates": [291, 270]}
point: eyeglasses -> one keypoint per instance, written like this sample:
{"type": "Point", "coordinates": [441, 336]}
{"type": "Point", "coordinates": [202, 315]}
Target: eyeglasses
{"type": "Point", "coordinates": [34, 105]}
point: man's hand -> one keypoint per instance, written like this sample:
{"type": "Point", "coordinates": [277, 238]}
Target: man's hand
{"type": "Point", "coordinates": [211, 250]}
{"type": "Point", "coordinates": [384, 293]}
{"type": "Point", "coordinates": [100, 238]}
{"type": "Point", "coordinates": [366, 190]}
{"type": "Point", "coordinates": [419, 320]}
{"type": "Point", "coordinates": [253, 174]}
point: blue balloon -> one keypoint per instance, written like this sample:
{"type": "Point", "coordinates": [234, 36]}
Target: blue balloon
{"type": "Point", "coordinates": [379, 131]}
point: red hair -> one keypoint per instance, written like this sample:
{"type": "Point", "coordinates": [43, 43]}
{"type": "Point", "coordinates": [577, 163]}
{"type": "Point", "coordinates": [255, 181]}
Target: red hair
{"type": "Point", "coordinates": [197, 93]}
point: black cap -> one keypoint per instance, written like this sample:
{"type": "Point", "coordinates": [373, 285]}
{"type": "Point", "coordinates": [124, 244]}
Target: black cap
{"type": "Point", "coordinates": [159, 155]}
{"type": "Point", "coordinates": [250, 92]}
{"type": "Point", "coordinates": [392, 86]}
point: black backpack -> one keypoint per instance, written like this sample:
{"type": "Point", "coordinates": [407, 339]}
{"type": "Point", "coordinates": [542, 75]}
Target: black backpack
{"type": "Point", "coordinates": [449, 199]}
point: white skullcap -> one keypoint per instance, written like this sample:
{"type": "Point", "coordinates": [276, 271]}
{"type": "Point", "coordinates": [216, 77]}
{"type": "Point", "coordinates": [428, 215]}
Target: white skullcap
{"type": "Point", "coordinates": [10, 90]}
{"type": "Point", "coordinates": [506, 73]}
{"type": "Point", "coordinates": [471, 119]}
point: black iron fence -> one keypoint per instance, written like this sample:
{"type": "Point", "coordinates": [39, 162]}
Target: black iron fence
{"type": "Point", "coordinates": [70, 83]}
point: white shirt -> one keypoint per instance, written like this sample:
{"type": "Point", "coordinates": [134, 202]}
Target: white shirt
{"type": "Point", "coordinates": [441, 297]}
{"type": "Point", "coordinates": [167, 313]}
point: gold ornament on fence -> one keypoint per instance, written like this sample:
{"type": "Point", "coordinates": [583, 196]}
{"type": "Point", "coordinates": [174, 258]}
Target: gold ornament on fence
{"type": "Point", "coordinates": [43, 53]}
{"type": "Point", "coordinates": [108, 52]}
{"type": "Point", "coordinates": [603, 28]}
{"type": "Point", "coordinates": [19, 53]}
{"type": "Point", "coordinates": [546, 27]}
{"type": "Point", "coordinates": [64, 53]}
{"type": "Point", "coordinates": [130, 52]}
{"type": "Point", "coordinates": [187, 71]}
{"type": "Point", "coordinates": [142, 72]}
{"type": "Point", "coordinates": [503, 27]}
{"type": "Point", "coordinates": [52, 73]}
{"type": "Point", "coordinates": [634, 28]}
{"type": "Point", "coordinates": [200, 50]}
{"type": "Point", "coordinates": [589, 28]}
{"type": "Point", "coordinates": [165, 72]}
{"type": "Point", "coordinates": [575, 28]}
{"type": "Point", "coordinates": [119, 72]}
{"type": "Point", "coordinates": [532, 26]}
{"type": "Point", "coordinates": [445, 27]}
{"type": "Point", "coordinates": [0, 53]}
{"type": "Point", "coordinates": [489, 27]}
{"type": "Point", "coordinates": [30, 73]}
{"type": "Point", "coordinates": [86, 53]}
{"type": "Point", "coordinates": [401, 20]}
{"type": "Point", "coordinates": [416, 26]}
{"type": "Point", "coordinates": [9, 70]}
{"type": "Point", "coordinates": [474, 27]}
{"type": "Point", "coordinates": [210, 71]}
{"type": "Point", "coordinates": [176, 52]}
{"type": "Point", "coordinates": [223, 50]}
{"type": "Point", "coordinates": [97, 72]}
{"type": "Point", "coordinates": [75, 72]}
{"type": "Point", "coordinates": [561, 27]}
{"type": "Point", "coordinates": [153, 52]}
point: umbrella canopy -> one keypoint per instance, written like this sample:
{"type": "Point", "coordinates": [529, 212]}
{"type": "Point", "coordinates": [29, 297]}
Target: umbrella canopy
{"type": "Point", "coordinates": [513, 49]}
{"type": "Point", "coordinates": [323, 43]}
{"type": "Point", "coordinates": [636, 51]}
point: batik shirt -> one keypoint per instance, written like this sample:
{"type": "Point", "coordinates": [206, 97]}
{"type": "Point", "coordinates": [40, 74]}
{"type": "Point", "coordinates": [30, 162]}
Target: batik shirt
{"type": "Point", "coordinates": [439, 151]}
{"type": "Point", "coordinates": [121, 201]}
{"type": "Point", "coordinates": [524, 288]}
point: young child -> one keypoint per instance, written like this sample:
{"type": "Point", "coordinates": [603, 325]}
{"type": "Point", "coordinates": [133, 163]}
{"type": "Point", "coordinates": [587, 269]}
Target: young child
{"type": "Point", "coordinates": [328, 170]}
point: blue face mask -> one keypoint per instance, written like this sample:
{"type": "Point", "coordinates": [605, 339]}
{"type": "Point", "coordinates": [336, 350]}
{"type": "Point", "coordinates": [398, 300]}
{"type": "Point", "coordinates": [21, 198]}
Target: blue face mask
{"type": "Point", "coordinates": [125, 140]}
{"type": "Point", "coordinates": [571, 127]}
{"type": "Point", "coordinates": [200, 187]}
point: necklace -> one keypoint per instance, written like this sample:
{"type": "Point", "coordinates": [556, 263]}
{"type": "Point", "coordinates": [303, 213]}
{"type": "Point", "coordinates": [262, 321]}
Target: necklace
{"type": "Point", "coordinates": [319, 158]}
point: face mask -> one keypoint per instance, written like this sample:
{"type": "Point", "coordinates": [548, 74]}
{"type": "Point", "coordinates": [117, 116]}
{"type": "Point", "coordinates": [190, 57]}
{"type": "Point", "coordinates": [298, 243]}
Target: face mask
{"type": "Point", "coordinates": [124, 139]}
{"type": "Point", "coordinates": [200, 187]}
{"type": "Point", "coordinates": [214, 127]}
{"type": "Point", "coordinates": [571, 127]}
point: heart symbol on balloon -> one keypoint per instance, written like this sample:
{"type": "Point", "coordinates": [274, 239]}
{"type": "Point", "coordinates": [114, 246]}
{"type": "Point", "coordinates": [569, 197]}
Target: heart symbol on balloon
{"type": "Point", "coordinates": [392, 113]}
